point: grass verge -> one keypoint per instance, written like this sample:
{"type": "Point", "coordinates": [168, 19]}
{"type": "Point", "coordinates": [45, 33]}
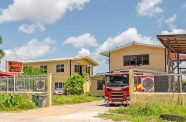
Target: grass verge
{"type": "Point", "coordinates": [144, 112]}
{"type": "Point", "coordinates": [73, 99]}
{"type": "Point", "coordinates": [14, 102]}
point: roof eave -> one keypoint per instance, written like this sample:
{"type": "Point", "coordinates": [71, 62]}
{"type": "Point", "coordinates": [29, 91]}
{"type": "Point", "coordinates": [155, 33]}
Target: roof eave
{"type": "Point", "coordinates": [92, 61]}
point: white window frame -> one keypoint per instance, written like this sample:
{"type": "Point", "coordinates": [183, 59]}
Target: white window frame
{"type": "Point", "coordinates": [58, 84]}
{"type": "Point", "coordinates": [60, 68]}
{"type": "Point", "coordinates": [44, 68]}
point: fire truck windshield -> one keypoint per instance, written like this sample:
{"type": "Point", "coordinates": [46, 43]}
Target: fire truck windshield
{"type": "Point", "coordinates": [117, 80]}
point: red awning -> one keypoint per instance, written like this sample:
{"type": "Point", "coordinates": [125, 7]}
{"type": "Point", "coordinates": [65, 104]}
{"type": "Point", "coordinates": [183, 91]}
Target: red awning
{"type": "Point", "coordinates": [7, 74]}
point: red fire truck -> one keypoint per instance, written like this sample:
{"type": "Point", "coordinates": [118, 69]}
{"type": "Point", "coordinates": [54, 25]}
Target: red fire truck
{"type": "Point", "coordinates": [116, 88]}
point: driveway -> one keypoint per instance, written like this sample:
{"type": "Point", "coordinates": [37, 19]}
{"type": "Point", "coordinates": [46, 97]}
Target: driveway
{"type": "Point", "coordinates": [84, 112]}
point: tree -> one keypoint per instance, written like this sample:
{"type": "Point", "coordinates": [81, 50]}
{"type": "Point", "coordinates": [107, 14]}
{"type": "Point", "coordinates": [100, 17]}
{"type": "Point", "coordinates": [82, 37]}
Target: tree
{"type": "Point", "coordinates": [2, 54]}
{"type": "Point", "coordinates": [74, 85]}
{"type": "Point", "coordinates": [33, 71]}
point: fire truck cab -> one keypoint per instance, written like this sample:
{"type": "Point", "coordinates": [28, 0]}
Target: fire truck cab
{"type": "Point", "coordinates": [116, 88]}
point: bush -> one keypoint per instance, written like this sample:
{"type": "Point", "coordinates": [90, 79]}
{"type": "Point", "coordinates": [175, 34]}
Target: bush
{"type": "Point", "coordinates": [10, 102]}
{"type": "Point", "coordinates": [74, 85]}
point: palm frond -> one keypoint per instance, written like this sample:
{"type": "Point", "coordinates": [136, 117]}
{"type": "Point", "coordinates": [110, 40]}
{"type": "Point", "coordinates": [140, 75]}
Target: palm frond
{"type": "Point", "coordinates": [2, 54]}
{"type": "Point", "coordinates": [1, 39]}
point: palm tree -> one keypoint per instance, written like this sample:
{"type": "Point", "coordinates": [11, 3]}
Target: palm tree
{"type": "Point", "coordinates": [2, 54]}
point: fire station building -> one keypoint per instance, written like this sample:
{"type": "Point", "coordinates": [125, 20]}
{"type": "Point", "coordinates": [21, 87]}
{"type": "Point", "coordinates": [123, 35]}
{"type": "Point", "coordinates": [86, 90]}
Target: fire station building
{"type": "Point", "coordinates": [144, 57]}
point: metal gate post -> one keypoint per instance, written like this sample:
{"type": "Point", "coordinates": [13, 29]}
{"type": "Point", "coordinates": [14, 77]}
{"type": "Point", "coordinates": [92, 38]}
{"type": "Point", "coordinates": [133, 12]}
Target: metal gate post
{"type": "Point", "coordinates": [14, 83]}
{"type": "Point", "coordinates": [49, 90]}
{"type": "Point", "coordinates": [7, 84]}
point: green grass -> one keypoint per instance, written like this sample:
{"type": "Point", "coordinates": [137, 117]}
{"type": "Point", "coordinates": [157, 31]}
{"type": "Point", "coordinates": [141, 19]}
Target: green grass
{"type": "Point", "coordinates": [144, 112]}
{"type": "Point", "coordinates": [14, 102]}
{"type": "Point", "coordinates": [73, 99]}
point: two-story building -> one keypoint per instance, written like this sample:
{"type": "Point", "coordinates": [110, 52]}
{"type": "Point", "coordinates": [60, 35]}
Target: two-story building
{"type": "Point", "coordinates": [133, 55]}
{"type": "Point", "coordinates": [137, 55]}
{"type": "Point", "coordinates": [62, 68]}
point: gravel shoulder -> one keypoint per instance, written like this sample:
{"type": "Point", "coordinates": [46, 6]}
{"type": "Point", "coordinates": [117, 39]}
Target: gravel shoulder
{"type": "Point", "coordinates": [84, 112]}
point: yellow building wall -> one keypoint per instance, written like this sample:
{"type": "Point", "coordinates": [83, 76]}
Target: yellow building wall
{"type": "Point", "coordinates": [82, 62]}
{"type": "Point", "coordinates": [93, 87]}
{"type": "Point", "coordinates": [156, 57]}
{"type": "Point", "coordinates": [51, 68]}
{"type": "Point", "coordinates": [63, 76]}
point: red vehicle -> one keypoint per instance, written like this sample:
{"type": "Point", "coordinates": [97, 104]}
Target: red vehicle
{"type": "Point", "coordinates": [116, 87]}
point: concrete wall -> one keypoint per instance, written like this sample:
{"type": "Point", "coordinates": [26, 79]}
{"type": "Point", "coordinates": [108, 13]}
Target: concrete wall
{"type": "Point", "coordinates": [93, 88]}
{"type": "Point", "coordinates": [169, 98]}
{"type": "Point", "coordinates": [156, 57]}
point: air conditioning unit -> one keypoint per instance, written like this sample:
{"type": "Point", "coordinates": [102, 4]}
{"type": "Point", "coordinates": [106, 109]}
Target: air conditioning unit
{"type": "Point", "coordinates": [40, 85]}
{"type": "Point", "coordinates": [148, 84]}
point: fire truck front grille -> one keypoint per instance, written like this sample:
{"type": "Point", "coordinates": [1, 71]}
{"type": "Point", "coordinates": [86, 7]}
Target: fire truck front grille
{"type": "Point", "coordinates": [117, 94]}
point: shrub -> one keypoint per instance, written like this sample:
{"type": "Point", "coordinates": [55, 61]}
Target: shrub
{"type": "Point", "coordinates": [9, 102]}
{"type": "Point", "coordinates": [74, 85]}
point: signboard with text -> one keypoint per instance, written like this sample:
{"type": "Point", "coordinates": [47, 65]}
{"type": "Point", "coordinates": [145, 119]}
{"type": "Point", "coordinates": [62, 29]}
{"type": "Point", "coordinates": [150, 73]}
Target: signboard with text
{"type": "Point", "coordinates": [14, 66]}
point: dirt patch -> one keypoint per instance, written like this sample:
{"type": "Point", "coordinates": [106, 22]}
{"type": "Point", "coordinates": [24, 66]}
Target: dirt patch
{"type": "Point", "coordinates": [84, 112]}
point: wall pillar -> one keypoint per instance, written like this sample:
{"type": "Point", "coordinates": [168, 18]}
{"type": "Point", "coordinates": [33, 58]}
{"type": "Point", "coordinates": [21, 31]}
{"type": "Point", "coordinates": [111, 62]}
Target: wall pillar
{"type": "Point", "coordinates": [131, 86]}
{"type": "Point", "coordinates": [49, 90]}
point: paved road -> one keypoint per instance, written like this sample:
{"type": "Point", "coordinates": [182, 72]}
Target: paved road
{"type": "Point", "coordinates": [84, 112]}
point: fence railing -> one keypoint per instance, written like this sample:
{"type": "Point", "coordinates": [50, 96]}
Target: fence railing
{"type": "Point", "coordinates": [24, 83]}
{"type": "Point", "coordinates": [159, 83]}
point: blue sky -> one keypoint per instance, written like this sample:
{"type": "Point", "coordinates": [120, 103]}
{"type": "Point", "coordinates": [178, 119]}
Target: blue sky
{"type": "Point", "coordinates": [43, 29]}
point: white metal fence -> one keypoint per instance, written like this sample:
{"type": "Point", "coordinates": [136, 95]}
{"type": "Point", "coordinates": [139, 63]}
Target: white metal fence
{"type": "Point", "coordinates": [24, 83]}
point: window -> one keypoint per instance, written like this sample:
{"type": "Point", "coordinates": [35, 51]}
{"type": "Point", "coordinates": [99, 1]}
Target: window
{"type": "Point", "coordinates": [88, 69]}
{"type": "Point", "coordinates": [60, 68]}
{"type": "Point", "coordinates": [78, 69]}
{"type": "Point", "coordinates": [59, 85]}
{"type": "Point", "coordinates": [136, 60]}
{"type": "Point", "coordinates": [43, 68]}
{"type": "Point", "coordinates": [100, 84]}
{"type": "Point", "coordinates": [145, 59]}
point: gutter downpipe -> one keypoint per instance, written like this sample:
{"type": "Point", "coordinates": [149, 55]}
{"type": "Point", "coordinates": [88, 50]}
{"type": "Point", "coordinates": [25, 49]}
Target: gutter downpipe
{"type": "Point", "coordinates": [109, 61]}
{"type": "Point", "coordinates": [70, 67]}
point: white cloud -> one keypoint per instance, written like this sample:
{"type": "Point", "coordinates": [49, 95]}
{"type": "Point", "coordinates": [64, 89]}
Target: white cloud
{"type": "Point", "coordinates": [172, 28]}
{"type": "Point", "coordinates": [84, 52]}
{"type": "Point", "coordinates": [171, 22]}
{"type": "Point", "coordinates": [129, 35]}
{"type": "Point", "coordinates": [81, 41]}
{"type": "Point", "coordinates": [174, 31]}
{"type": "Point", "coordinates": [39, 11]}
{"type": "Point", "coordinates": [149, 7]}
{"type": "Point", "coordinates": [29, 29]}
{"type": "Point", "coordinates": [32, 50]}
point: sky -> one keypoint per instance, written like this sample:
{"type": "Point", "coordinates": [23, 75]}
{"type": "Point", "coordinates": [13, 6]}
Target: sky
{"type": "Point", "coordinates": [45, 29]}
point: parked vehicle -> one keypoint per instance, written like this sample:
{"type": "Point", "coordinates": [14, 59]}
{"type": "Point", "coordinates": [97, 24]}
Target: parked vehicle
{"type": "Point", "coordinates": [59, 91]}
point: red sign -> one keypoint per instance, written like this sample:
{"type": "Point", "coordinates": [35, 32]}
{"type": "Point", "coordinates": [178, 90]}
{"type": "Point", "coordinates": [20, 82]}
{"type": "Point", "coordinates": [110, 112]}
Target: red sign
{"type": "Point", "coordinates": [14, 66]}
